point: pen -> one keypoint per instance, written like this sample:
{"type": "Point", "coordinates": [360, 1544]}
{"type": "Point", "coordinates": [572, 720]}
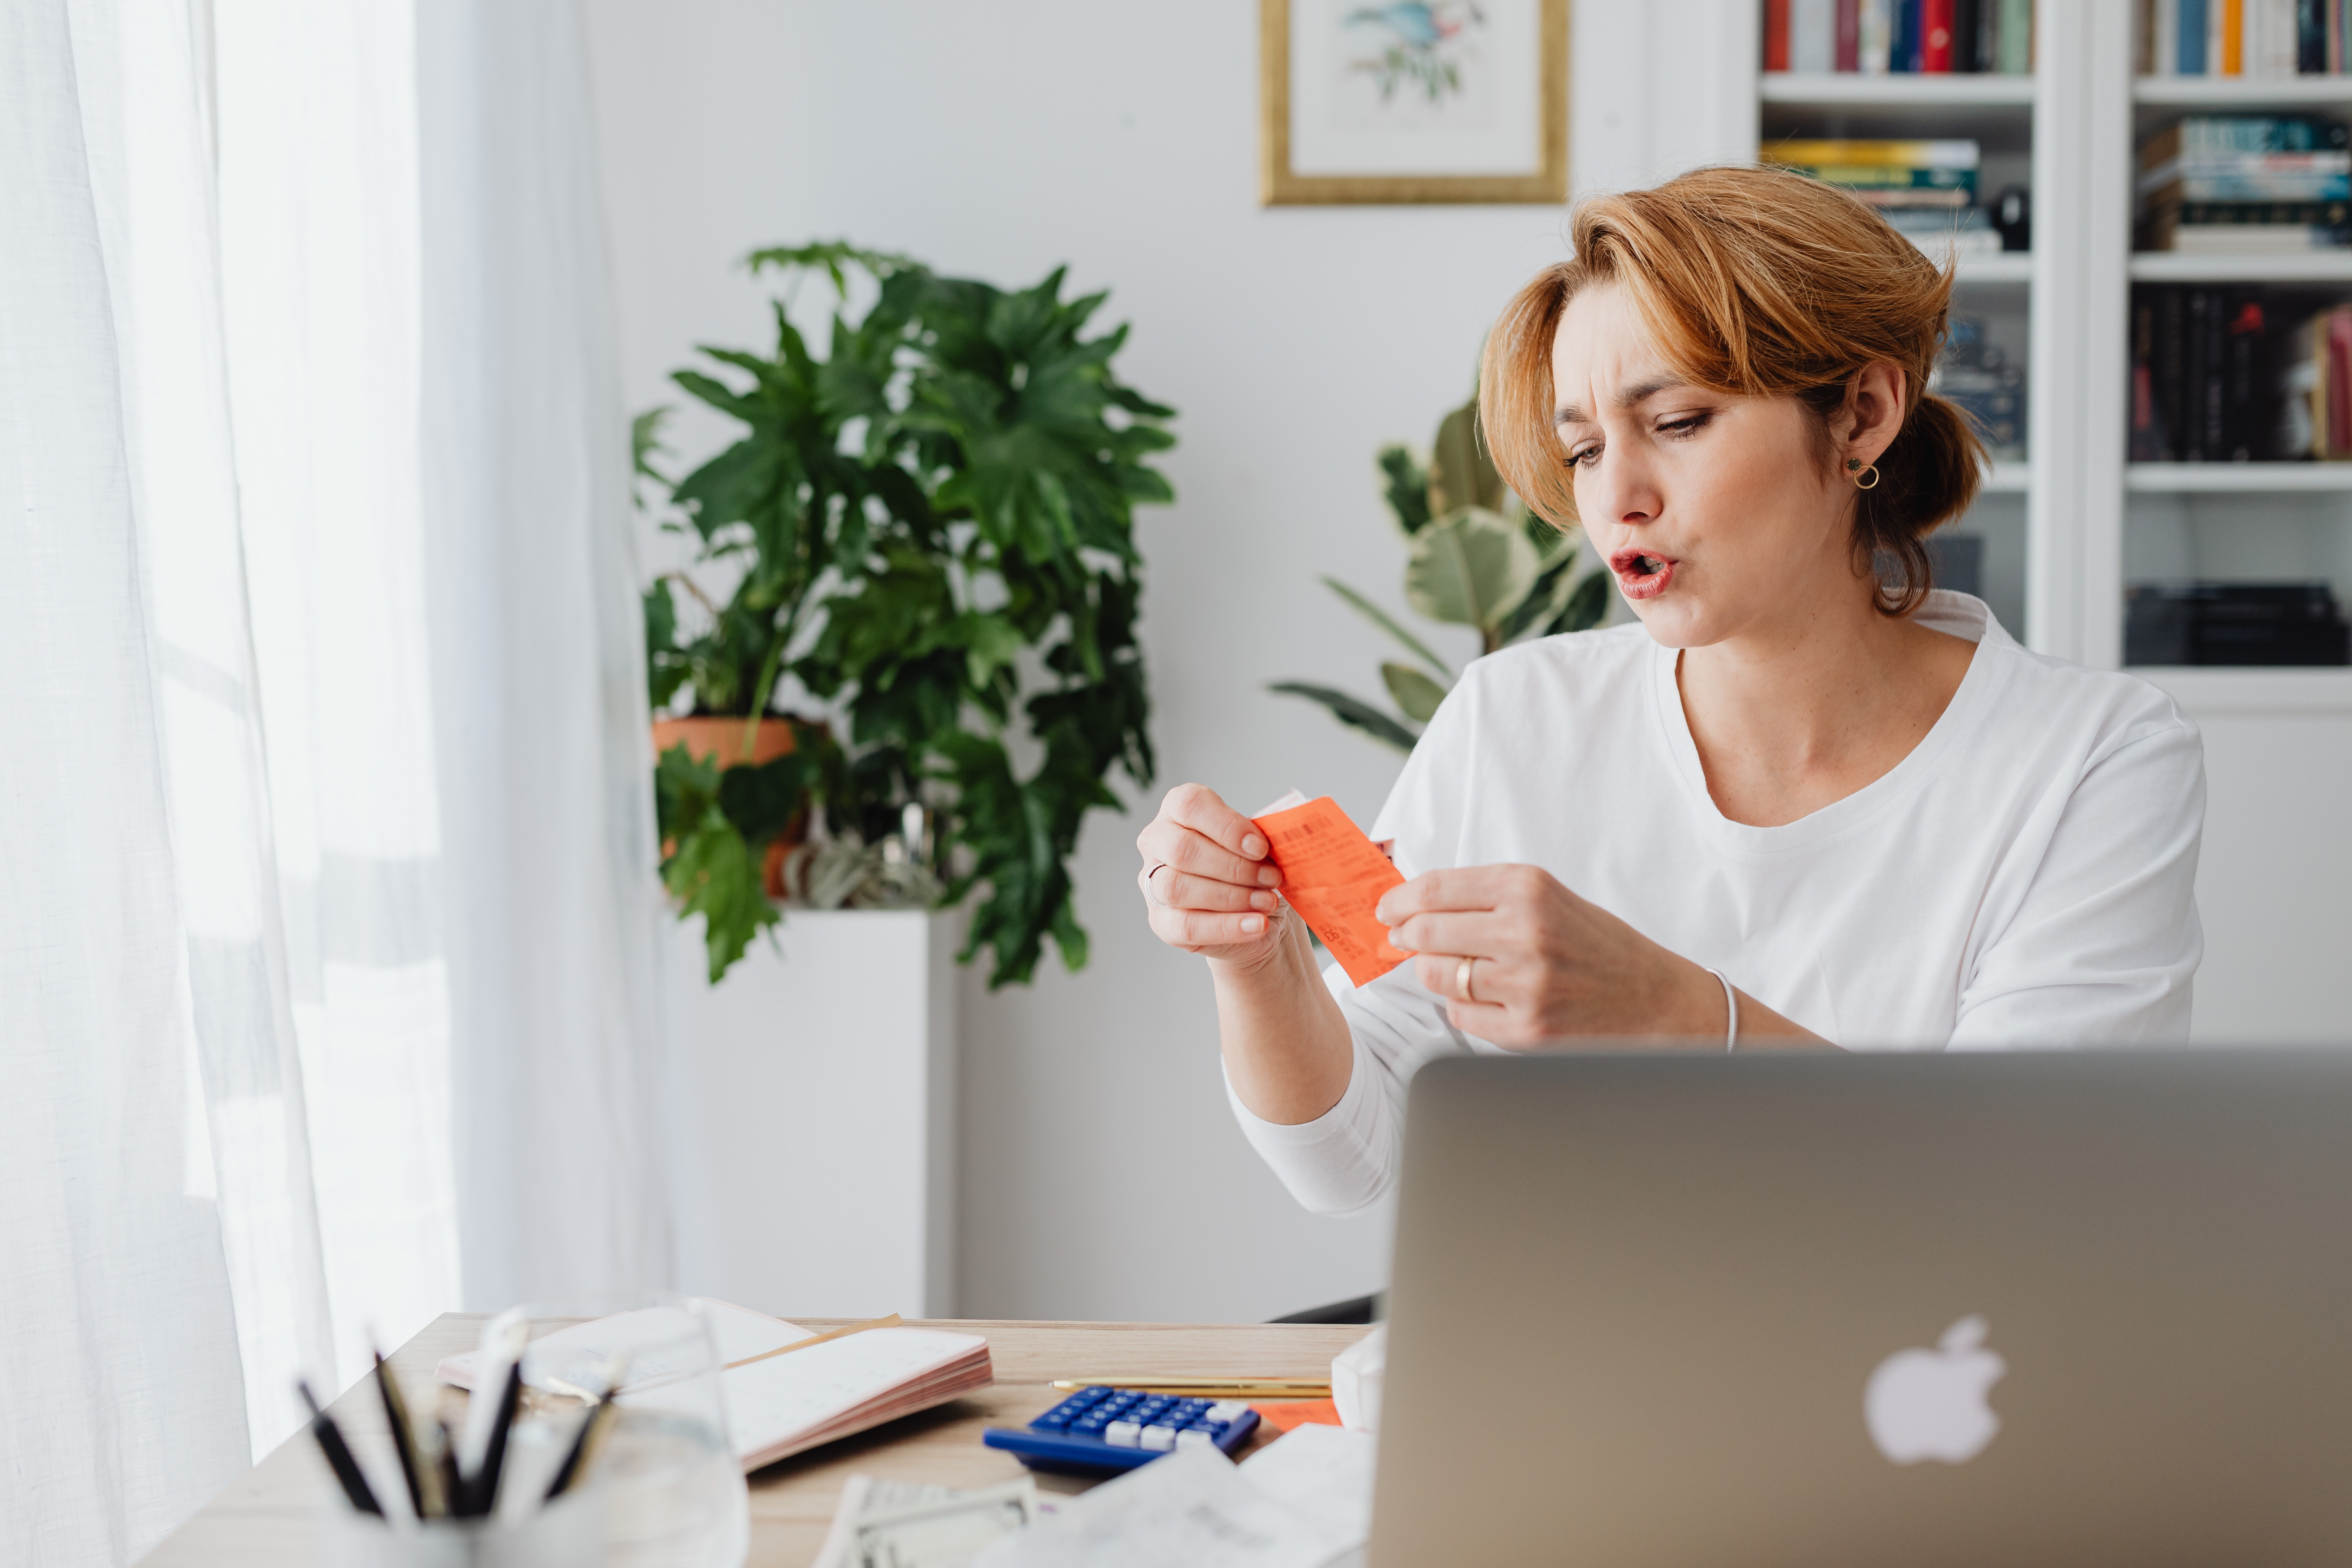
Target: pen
{"type": "Point", "coordinates": [403, 1437]}
{"type": "Point", "coordinates": [444, 1459]}
{"type": "Point", "coordinates": [482, 1487]}
{"type": "Point", "coordinates": [338, 1456]}
{"type": "Point", "coordinates": [602, 1413]}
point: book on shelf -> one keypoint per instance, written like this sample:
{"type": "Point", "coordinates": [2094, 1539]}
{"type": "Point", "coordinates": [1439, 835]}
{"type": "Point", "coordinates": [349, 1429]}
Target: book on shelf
{"type": "Point", "coordinates": [1974, 375]}
{"type": "Point", "coordinates": [1927, 189]}
{"type": "Point", "coordinates": [1876, 38]}
{"type": "Point", "coordinates": [2238, 374]}
{"type": "Point", "coordinates": [2237, 624]}
{"type": "Point", "coordinates": [2242, 38]}
{"type": "Point", "coordinates": [2245, 184]}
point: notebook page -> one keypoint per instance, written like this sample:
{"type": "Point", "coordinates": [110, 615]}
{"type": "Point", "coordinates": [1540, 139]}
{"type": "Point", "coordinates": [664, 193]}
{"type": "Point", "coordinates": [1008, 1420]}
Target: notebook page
{"type": "Point", "coordinates": [579, 1353]}
{"type": "Point", "coordinates": [771, 1402]}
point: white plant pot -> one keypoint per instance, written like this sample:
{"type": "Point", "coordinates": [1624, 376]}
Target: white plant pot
{"type": "Point", "coordinates": [815, 1113]}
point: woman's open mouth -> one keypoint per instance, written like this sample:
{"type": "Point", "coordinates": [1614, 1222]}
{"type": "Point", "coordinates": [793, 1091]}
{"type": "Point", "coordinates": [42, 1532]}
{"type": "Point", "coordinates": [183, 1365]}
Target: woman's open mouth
{"type": "Point", "coordinates": [1643, 574]}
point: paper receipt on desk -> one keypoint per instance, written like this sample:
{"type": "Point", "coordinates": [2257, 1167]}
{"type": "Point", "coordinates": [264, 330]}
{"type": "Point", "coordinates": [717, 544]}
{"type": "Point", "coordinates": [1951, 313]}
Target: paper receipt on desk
{"type": "Point", "coordinates": [1332, 875]}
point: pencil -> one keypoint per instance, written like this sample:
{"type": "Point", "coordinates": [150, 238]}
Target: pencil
{"type": "Point", "coordinates": [403, 1436]}
{"type": "Point", "coordinates": [338, 1456]}
{"type": "Point", "coordinates": [1204, 1387]}
{"type": "Point", "coordinates": [482, 1487]}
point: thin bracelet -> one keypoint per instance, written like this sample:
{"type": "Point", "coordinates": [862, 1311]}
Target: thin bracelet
{"type": "Point", "coordinates": [1731, 1004]}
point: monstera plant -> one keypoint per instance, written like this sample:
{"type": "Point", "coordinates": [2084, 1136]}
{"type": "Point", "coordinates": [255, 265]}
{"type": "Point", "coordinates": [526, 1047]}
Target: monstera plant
{"type": "Point", "coordinates": [928, 524]}
{"type": "Point", "coordinates": [1478, 558]}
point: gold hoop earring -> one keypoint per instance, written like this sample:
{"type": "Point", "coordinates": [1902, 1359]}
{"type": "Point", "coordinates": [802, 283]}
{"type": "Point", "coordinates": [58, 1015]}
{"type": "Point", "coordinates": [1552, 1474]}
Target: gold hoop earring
{"type": "Point", "coordinates": [1870, 475]}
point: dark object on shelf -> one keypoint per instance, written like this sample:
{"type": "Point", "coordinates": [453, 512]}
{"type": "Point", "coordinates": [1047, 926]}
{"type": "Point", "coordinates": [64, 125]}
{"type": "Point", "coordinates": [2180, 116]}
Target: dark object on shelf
{"type": "Point", "coordinates": [2013, 214]}
{"type": "Point", "coordinates": [2235, 623]}
{"type": "Point", "coordinates": [1973, 374]}
{"type": "Point", "coordinates": [2205, 381]}
{"type": "Point", "coordinates": [1959, 562]}
{"type": "Point", "coordinates": [1955, 561]}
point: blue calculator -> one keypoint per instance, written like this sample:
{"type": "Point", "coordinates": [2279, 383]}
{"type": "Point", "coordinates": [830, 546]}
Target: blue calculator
{"type": "Point", "coordinates": [1097, 1430]}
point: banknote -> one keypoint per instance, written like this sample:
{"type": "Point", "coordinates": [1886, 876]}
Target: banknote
{"type": "Point", "coordinates": [901, 1524]}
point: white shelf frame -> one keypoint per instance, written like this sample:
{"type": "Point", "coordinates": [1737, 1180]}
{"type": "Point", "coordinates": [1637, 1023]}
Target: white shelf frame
{"type": "Point", "coordinates": [2236, 478]}
{"type": "Point", "coordinates": [2302, 267]}
{"type": "Point", "coordinates": [2012, 266]}
{"type": "Point", "coordinates": [2240, 91]}
{"type": "Point", "coordinates": [1852, 89]}
{"type": "Point", "coordinates": [2268, 688]}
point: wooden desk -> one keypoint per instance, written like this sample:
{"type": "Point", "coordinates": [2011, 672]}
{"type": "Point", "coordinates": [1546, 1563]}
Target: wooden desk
{"type": "Point", "coordinates": [268, 1518]}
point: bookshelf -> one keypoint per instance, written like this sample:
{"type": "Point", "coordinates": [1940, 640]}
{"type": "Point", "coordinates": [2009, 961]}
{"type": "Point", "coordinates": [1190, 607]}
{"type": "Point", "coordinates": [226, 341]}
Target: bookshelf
{"type": "Point", "coordinates": [2063, 541]}
{"type": "Point", "coordinates": [1997, 112]}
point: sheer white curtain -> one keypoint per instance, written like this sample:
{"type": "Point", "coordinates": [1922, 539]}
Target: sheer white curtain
{"type": "Point", "coordinates": [326, 897]}
{"type": "Point", "coordinates": [539, 666]}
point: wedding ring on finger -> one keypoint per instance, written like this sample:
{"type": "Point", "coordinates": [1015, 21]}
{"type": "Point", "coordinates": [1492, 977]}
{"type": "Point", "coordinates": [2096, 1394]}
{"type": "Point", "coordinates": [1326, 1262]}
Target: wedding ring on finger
{"type": "Point", "coordinates": [1153, 886]}
{"type": "Point", "coordinates": [1461, 981]}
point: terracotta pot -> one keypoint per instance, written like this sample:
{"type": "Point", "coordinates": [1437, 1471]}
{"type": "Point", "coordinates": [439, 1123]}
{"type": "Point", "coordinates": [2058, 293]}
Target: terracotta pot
{"type": "Point", "coordinates": [723, 739]}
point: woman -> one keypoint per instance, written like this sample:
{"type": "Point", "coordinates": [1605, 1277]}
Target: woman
{"type": "Point", "coordinates": [1790, 807]}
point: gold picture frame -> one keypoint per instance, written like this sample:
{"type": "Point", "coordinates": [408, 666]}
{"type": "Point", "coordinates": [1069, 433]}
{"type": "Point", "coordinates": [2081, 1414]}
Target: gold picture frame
{"type": "Point", "coordinates": [1280, 185]}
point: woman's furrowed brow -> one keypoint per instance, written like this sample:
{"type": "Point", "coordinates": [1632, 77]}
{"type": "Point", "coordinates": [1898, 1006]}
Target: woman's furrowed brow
{"type": "Point", "coordinates": [1641, 392]}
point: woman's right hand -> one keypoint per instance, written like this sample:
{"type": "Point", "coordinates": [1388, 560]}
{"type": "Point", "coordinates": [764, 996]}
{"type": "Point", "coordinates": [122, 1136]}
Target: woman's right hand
{"type": "Point", "coordinates": [1205, 879]}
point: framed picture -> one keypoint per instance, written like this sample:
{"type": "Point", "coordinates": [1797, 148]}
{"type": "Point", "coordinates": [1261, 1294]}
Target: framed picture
{"type": "Point", "coordinates": [1376, 102]}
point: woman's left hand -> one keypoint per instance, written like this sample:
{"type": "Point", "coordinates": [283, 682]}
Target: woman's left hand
{"type": "Point", "coordinates": [1546, 963]}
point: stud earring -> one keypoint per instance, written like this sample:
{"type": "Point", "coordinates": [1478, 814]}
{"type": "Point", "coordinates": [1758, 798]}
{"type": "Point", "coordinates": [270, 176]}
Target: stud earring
{"type": "Point", "coordinates": [1852, 464]}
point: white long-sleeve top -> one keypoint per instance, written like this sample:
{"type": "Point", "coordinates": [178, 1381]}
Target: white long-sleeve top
{"type": "Point", "coordinates": [2025, 877]}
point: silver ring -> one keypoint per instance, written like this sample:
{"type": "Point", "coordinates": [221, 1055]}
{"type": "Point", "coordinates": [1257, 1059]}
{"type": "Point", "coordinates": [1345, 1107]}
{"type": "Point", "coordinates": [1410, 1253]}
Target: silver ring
{"type": "Point", "coordinates": [1153, 887]}
{"type": "Point", "coordinates": [1462, 980]}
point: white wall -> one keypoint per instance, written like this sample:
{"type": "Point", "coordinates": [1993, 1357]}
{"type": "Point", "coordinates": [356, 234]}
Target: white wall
{"type": "Point", "coordinates": [1103, 1176]}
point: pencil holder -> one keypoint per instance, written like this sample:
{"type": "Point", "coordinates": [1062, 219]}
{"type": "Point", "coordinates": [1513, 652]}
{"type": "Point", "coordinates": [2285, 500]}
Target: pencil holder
{"type": "Point", "coordinates": [569, 1533]}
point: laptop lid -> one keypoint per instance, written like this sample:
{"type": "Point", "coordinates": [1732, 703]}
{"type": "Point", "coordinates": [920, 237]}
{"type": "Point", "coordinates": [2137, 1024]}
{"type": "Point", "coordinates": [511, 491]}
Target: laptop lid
{"type": "Point", "coordinates": [2032, 1308]}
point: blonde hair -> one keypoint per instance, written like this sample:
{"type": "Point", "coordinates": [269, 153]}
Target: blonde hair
{"type": "Point", "coordinates": [1759, 282]}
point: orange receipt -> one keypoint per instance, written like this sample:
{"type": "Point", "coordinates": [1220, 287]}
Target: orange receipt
{"type": "Point", "coordinates": [1333, 876]}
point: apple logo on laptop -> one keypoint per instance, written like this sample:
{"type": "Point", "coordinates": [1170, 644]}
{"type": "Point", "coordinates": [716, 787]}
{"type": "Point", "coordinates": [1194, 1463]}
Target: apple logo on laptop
{"type": "Point", "coordinates": [1930, 1404]}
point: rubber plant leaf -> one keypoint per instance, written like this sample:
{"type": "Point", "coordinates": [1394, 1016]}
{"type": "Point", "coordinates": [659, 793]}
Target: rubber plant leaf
{"type": "Point", "coordinates": [1353, 711]}
{"type": "Point", "coordinates": [1407, 489]}
{"type": "Point", "coordinates": [1471, 567]}
{"type": "Point", "coordinates": [1414, 693]}
{"type": "Point", "coordinates": [1588, 606]}
{"type": "Point", "coordinates": [1382, 619]}
{"type": "Point", "coordinates": [1546, 599]}
{"type": "Point", "coordinates": [1461, 472]}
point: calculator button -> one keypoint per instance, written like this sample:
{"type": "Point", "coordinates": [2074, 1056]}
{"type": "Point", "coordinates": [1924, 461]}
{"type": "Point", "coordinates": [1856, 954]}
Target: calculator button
{"type": "Point", "coordinates": [1227, 1410]}
{"type": "Point", "coordinates": [1123, 1434]}
{"type": "Point", "coordinates": [1160, 1438]}
{"type": "Point", "coordinates": [1194, 1437]}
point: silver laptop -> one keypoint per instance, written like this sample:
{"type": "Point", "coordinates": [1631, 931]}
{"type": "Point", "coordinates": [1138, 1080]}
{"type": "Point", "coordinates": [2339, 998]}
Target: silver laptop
{"type": "Point", "coordinates": [2036, 1309]}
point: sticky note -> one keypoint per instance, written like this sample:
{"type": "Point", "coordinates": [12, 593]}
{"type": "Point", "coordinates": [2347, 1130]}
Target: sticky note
{"type": "Point", "coordinates": [1333, 876]}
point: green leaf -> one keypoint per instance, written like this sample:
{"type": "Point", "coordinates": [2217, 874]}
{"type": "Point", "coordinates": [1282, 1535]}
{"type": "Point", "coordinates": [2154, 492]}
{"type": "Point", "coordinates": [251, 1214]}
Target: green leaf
{"type": "Point", "coordinates": [644, 440]}
{"type": "Point", "coordinates": [715, 875]}
{"type": "Point", "coordinates": [1470, 567]}
{"type": "Point", "coordinates": [1545, 600]}
{"type": "Point", "coordinates": [1382, 619]}
{"type": "Point", "coordinates": [1588, 606]}
{"type": "Point", "coordinates": [1461, 471]}
{"type": "Point", "coordinates": [1407, 489]}
{"type": "Point", "coordinates": [1353, 711]}
{"type": "Point", "coordinates": [1414, 693]}
{"type": "Point", "coordinates": [761, 800]}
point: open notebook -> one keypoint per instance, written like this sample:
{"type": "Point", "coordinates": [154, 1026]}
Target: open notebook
{"type": "Point", "coordinates": [780, 1405]}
